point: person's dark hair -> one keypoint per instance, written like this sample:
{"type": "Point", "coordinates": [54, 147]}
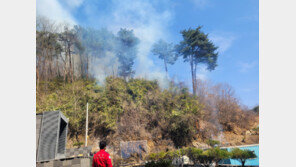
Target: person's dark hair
{"type": "Point", "coordinates": [102, 144]}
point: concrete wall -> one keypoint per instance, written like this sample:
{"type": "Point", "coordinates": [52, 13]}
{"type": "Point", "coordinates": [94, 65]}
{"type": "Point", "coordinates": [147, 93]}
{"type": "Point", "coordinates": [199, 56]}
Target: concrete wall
{"type": "Point", "coordinates": [73, 162]}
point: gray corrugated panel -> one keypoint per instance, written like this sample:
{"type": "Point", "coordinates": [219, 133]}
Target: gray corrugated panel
{"type": "Point", "coordinates": [53, 136]}
{"type": "Point", "coordinates": [38, 128]}
{"type": "Point", "coordinates": [48, 137]}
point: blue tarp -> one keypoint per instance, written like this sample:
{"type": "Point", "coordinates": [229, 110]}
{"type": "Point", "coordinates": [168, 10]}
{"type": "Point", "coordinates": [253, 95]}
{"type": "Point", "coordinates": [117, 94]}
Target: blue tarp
{"type": "Point", "coordinates": [131, 147]}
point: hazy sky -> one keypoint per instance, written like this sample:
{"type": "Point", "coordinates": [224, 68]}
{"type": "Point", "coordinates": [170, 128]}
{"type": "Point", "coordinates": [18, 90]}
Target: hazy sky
{"type": "Point", "coordinates": [233, 25]}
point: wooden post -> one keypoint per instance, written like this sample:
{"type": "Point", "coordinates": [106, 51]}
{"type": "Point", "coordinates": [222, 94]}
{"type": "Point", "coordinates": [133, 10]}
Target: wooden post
{"type": "Point", "coordinates": [86, 125]}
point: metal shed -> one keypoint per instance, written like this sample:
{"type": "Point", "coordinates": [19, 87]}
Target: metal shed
{"type": "Point", "coordinates": [51, 135]}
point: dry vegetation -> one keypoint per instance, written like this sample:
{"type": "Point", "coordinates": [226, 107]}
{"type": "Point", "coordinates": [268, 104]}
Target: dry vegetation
{"type": "Point", "coordinates": [139, 109]}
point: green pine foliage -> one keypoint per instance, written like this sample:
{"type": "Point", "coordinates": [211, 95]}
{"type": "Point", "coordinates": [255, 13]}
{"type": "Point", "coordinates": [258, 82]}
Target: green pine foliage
{"type": "Point", "coordinates": [197, 156]}
{"type": "Point", "coordinates": [242, 155]}
{"type": "Point", "coordinates": [196, 48]}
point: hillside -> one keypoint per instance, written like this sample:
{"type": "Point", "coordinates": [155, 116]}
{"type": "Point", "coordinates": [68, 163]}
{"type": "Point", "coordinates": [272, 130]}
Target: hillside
{"type": "Point", "coordinates": [139, 109]}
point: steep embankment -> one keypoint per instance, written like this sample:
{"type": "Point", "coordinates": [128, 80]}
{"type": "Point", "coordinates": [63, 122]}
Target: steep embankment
{"type": "Point", "coordinates": [140, 110]}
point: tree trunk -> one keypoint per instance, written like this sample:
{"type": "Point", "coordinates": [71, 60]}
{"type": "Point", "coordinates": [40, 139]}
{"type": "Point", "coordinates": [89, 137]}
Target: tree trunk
{"type": "Point", "coordinates": [166, 68]}
{"type": "Point", "coordinates": [46, 70]}
{"type": "Point", "coordinates": [57, 67]}
{"type": "Point", "coordinates": [70, 63]}
{"type": "Point", "coordinates": [81, 66]}
{"type": "Point", "coordinates": [37, 72]}
{"type": "Point", "coordinates": [243, 163]}
{"type": "Point", "coordinates": [195, 81]}
{"type": "Point", "coordinates": [193, 74]}
{"type": "Point", "coordinates": [51, 67]}
{"type": "Point", "coordinates": [87, 61]}
{"type": "Point", "coordinates": [76, 136]}
{"type": "Point", "coordinates": [37, 78]}
{"type": "Point", "coordinates": [73, 69]}
{"type": "Point", "coordinates": [65, 72]}
{"type": "Point", "coordinates": [66, 66]}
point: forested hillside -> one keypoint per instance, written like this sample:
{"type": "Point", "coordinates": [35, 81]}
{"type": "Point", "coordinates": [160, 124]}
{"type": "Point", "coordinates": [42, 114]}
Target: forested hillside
{"type": "Point", "coordinates": [77, 65]}
{"type": "Point", "coordinates": [139, 109]}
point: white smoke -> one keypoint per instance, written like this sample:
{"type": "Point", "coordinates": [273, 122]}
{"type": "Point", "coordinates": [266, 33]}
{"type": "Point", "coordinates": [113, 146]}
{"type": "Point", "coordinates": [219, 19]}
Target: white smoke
{"type": "Point", "coordinates": [105, 66]}
{"type": "Point", "coordinates": [55, 11]}
{"type": "Point", "coordinates": [149, 26]}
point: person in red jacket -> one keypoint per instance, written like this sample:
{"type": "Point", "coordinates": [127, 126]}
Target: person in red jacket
{"type": "Point", "coordinates": [102, 158]}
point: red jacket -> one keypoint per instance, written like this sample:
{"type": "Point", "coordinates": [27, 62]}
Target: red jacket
{"type": "Point", "coordinates": [102, 159]}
